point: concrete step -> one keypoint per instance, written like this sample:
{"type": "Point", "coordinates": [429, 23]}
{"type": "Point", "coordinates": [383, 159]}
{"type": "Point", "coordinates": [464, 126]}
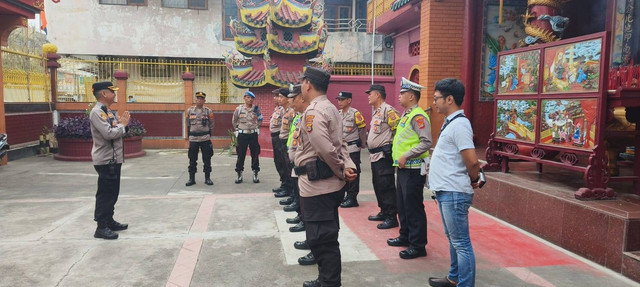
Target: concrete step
{"type": "Point", "coordinates": [631, 265]}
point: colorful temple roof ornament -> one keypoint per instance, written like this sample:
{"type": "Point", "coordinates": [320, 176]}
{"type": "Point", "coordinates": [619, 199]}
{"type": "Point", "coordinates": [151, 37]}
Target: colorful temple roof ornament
{"type": "Point", "coordinates": [306, 42]}
{"type": "Point", "coordinates": [254, 14]}
{"type": "Point", "coordinates": [248, 42]}
{"type": "Point", "coordinates": [291, 13]}
{"type": "Point", "coordinates": [399, 4]}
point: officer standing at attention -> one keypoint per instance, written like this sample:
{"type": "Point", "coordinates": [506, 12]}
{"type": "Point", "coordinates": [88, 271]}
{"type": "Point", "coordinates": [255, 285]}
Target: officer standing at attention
{"type": "Point", "coordinates": [291, 202]}
{"type": "Point", "coordinates": [200, 127]}
{"type": "Point", "coordinates": [322, 165]}
{"type": "Point", "coordinates": [247, 120]}
{"type": "Point", "coordinates": [410, 153]}
{"type": "Point", "coordinates": [275, 124]}
{"type": "Point", "coordinates": [107, 155]}
{"type": "Point", "coordinates": [383, 124]}
{"type": "Point", "coordinates": [354, 133]}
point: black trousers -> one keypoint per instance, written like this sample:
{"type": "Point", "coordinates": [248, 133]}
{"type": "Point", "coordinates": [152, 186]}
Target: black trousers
{"type": "Point", "coordinates": [413, 219]}
{"type": "Point", "coordinates": [251, 141]}
{"type": "Point", "coordinates": [207, 152]}
{"type": "Point", "coordinates": [107, 194]}
{"type": "Point", "coordinates": [287, 166]}
{"type": "Point", "coordinates": [384, 185]}
{"type": "Point", "coordinates": [353, 187]}
{"type": "Point", "coordinates": [277, 156]}
{"type": "Point", "coordinates": [320, 216]}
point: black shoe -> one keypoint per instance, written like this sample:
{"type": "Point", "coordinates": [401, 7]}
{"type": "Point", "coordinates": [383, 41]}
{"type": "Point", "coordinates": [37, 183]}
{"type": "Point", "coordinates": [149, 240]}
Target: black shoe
{"type": "Point", "coordinates": [105, 233]}
{"type": "Point", "coordinates": [117, 226]}
{"type": "Point", "coordinates": [298, 227]}
{"type": "Point", "coordinates": [388, 223]}
{"type": "Point", "coordinates": [349, 202]}
{"type": "Point", "coordinates": [294, 220]}
{"type": "Point", "coordinates": [239, 179]}
{"type": "Point", "coordinates": [308, 259]}
{"type": "Point", "coordinates": [378, 217]}
{"type": "Point", "coordinates": [287, 201]}
{"type": "Point", "coordinates": [190, 182]}
{"type": "Point", "coordinates": [255, 176]}
{"type": "Point", "coordinates": [312, 283]}
{"type": "Point", "coordinates": [441, 282]}
{"type": "Point", "coordinates": [302, 245]}
{"type": "Point", "coordinates": [208, 181]}
{"type": "Point", "coordinates": [397, 242]}
{"type": "Point", "coordinates": [283, 193]}
{"type": "Point", "coordinates": [279, 189]}
{"type": "Point", "coordinates": [291, 207]}
{"type": "Point", "coordinates": [412, 253]}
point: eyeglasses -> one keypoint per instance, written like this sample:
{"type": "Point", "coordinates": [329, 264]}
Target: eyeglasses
{"type": "Point", "coordinates": [436, 98]}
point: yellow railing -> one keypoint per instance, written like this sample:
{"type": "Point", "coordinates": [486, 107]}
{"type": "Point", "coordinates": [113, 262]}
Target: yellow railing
{"type": "Point", "coordinates": [24, 77]}
{"type": "Point", "coordinates": [151, 80]}
{"type": "Point", "coordinates": [381, 7]}
{"type": "Point", "coordinates": [344, 69]}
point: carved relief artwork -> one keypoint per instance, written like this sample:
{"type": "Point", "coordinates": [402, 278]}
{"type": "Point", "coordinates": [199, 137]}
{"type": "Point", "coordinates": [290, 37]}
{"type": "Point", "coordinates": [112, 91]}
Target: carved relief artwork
{"type": "Point", "coordinates": [516, 120]}
{"type": "Point", "coordinates": [572, 68]}
{"type": "Point", "coordinates": [569, 122]}
{"type": "Point", "coordinates": [519, 73]}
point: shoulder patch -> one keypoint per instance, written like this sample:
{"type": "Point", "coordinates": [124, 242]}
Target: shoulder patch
{"type": "Point", "coordinates": [309, 122]}
{"type": "Point", "coordinates": [392, 119]}
{"type": "Point", "coordinates": [420, 122]}
{"type": "Point", "coordinates": [359, 120]}
{"type": "Point", "coordinates": [103, 115]}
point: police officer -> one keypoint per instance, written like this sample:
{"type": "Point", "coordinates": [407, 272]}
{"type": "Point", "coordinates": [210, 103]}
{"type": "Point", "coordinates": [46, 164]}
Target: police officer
{"type": "Point", "coordinates": [322, 165]}
{"type": "Point", "coordinates": [410, 154]}
{"type": "Point", "coordinates": [383, 125]}
{"type": "Point", "coordinates": [107, 155]}
{"type": "Point", "coordinates": [287, 119]}
{"type": "Point", "coordinates": [247, 120]}
{"type": "Point", "coordinates": [200, 128]}
{"type": "Point", "coordinates": [354, 133]}
{"type": "Point", "coordinates": [275, 124]}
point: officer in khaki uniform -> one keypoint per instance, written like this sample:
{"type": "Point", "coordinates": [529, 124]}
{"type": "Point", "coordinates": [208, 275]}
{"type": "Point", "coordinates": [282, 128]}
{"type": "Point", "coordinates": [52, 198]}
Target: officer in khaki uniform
{"type": "Point", "coordinates": [291, 202]}
{"type": "Point", "coordinates": [275, 124]}
{"type": "Point", "coordinates": [322, 164]}
{"type": "Point", "coordinates": [354, 133]}
{"type": "Point", "coordinates": [410, 151]}
{"type": "Point", "coordinates": [247, 120]}
{"type": "Point", "coordinates": [200, 128]}
{"type": "Point", "coordinates": [383, 125]}
{"type": "Point", "coordinates": [107, 155]}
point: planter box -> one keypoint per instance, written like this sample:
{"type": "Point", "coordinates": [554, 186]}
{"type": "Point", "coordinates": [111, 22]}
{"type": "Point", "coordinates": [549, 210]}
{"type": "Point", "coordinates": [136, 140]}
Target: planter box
{"type": "Point", "coordinates": [80, 149]}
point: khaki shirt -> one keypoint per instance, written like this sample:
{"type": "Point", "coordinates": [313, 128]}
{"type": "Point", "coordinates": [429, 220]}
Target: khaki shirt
{"type": "Point", "coordinates": [199, 121]}
{"type": "Point", "coordinates": [353, 128]}
{"type": "Point", "coordinates": [247, 118]}
{"type": "Point", "coordinates": [383, 125]}
{"type": "Point", "coordinates": [289, 113]}
{"type": "Point", "coordinates": [104, 129]}
{"type": "Point", "coordinates": [422, 127]}
{"type": "Point", "coordinates": [293, 149]}
{"type": "Point", "coordinates": [276, 120]}
{"type": "Point", "coordinates": [320, 136]}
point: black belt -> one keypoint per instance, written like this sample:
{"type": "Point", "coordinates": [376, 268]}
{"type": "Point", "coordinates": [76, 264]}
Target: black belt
{"type": "Point", "coordinates": [356, 142]}
{"type": "Point", "coordinates": [275, 134]}
{"type": "Point", "coordinates": [197, 134]}
{"type": "Point", "coordinates": [381, 148]}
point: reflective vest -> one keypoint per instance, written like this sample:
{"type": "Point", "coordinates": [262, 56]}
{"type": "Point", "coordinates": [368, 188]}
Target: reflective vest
{"type": "Point", "coordinates": [292, 128]}
{"type": "Point", "coordinates": [406, 139]}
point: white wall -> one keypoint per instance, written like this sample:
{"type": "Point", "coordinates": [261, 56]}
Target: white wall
{"type": "Point", "coordinates": [355, 47]}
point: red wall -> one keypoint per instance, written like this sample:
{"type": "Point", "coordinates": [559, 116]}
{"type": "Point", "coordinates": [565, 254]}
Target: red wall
{"type": "Point", "coordinates": [26, 127]}
{"type": "Point", "coordinates": [402, 59]}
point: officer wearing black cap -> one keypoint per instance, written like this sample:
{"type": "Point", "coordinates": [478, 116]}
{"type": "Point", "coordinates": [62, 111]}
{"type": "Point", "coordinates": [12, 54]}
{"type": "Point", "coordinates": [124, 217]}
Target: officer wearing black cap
{"type": "Point", "coordinates": [200, 128]}
{"type": "Point", "coordinates": [383, 125]}
{"type": "Point", "coordinates": [247, 120]}
{"type": "Point", "coordinates": [354, 133]}
{"type": "Point", "coordinates": [322, 165]}
{"type": "Point", "coordinates": [275, 125]}
{"type": "Point", "coordinates": [107, 155]}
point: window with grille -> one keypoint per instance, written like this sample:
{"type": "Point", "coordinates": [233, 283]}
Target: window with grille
{"type": "Point", "coordinates": [124, 2]}
{"type": "Point", "coordinates": [186, 4]}
{"type": "Point", "coordinates": [287, 36]}
{"type": "Point", "coordinates": [414, 49]}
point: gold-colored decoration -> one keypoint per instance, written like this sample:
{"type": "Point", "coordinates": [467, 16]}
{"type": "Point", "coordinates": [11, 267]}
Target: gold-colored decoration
{"type": "Point", "coordinates": [545, 36]}
{"type": "Point", "coordinates": [555, 4]}
{"type": "Point", "coordinates": [49, 48]}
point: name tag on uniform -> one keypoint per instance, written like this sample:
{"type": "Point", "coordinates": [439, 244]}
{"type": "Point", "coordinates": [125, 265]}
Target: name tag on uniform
{"type": "Point", "coordinates": [192, 117]}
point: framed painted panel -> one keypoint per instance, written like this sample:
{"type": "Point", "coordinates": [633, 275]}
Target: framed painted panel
{"type": "Point", "coordinates": [569, 123]}
{"type": "Point", "coordinates": [516, 120]}
{"type": "Point", "coordinates": [498, 37]}
{"type": "Point", "coordinates": [573, 68]}
{"type": "Point", "coordinates": [519, 73]}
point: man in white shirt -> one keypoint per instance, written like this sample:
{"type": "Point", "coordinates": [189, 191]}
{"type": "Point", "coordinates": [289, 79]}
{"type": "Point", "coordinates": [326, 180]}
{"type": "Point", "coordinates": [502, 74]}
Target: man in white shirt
{"type": "Point", "coordinates": [453, 174]}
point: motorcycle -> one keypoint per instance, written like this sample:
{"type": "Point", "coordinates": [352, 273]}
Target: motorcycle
{"type": "Point", "coordinates": [4, 145]}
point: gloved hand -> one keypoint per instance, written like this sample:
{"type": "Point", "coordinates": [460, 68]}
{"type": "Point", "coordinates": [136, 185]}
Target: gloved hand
{"type": "Point", "coordinates": [258, 131]}
{"type": "Point", "coordinates": [236, 133]}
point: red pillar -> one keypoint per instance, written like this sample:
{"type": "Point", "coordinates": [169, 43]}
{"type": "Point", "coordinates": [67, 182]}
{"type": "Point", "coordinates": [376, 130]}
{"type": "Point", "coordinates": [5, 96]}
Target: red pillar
{"type": "Point", "coordinates": [468, 57]}
{"type": "Point", "coordinates": [53, 65]}
{"type": "Point", "coordinates": [121, 82]}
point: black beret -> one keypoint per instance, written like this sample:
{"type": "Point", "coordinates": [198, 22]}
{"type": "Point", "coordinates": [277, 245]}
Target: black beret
{"type": "Point", "coordinates": [317, 76]}
{"type": "Point", "coordinates": [103, 86]}
{"type": "Point", "coordinates": [344, 95]}
{"type": "Point", "coordinates": [375, 88]}
{"type": "Point", "coordinates": [281, 92]}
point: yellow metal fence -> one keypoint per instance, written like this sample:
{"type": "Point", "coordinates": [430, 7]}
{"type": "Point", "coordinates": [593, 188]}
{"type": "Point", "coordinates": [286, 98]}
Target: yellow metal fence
{"type": "Point", "coordinates": [25, 78]}
{"type": "Point", "coordinates": [345, 69]}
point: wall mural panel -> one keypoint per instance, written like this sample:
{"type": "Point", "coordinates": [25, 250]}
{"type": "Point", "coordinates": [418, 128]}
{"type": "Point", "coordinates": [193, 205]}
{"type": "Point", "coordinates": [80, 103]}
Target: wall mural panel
{"type": "Point", "coordinates": [569, 122]}
{"type": "Point", "coordinates": [519, 73]}
{"type": "Point", "coordinates": [572, 68]}
{"type": "Point", "coordinates": [516, 120]}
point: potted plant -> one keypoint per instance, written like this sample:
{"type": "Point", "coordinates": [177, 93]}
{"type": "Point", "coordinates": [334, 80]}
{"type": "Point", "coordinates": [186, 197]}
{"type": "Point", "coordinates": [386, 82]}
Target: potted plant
{"type": "Point", "coordinates": [75, 142]}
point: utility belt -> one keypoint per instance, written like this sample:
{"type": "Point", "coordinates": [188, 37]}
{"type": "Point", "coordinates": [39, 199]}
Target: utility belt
{"type": "Point", "coordinates": [357, 142]}
{"type": "Point", "coordinates": [197, 134]}
{"type": "Point", "coordinates": [248, 131]}
{"type": "Point", "coordinates": [315, 170]}
{"type": "Point", "coordinates": [385, 148]}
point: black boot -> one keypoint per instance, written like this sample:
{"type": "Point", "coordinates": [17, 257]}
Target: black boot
{"type": "Point", "coordinates": [105, 233]}
{"type": "Point", "coordinates": [192, 179]}
{"type": "Point", "coordinates": [291, 207]}
{"type": "Point", "coordinates": [255, 176]}
{"type": "Point", "coordinates": [239, 179]}
{"type": "Point", "coordinates": [207, 179]}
